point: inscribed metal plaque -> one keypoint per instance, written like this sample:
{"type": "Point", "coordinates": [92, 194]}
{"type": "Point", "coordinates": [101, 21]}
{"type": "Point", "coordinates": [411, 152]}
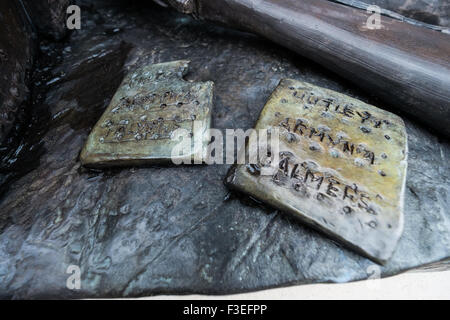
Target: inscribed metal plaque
{"type": "Point", "coordinates": [342, 166]}
{"type": "Point", "coordinates": [150, 104]}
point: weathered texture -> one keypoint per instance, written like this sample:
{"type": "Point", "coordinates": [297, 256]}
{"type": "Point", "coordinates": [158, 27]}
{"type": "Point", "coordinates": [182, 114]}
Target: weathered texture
{"type": "Point", "coordinates": [435, 12]}
{"type": "Point", "coordinates": [16, 59]}
{"type": "Point", "coordinates": [140, 124]}
{"type": "Point", "coordinates": [49, 16]}
{"type": "Point", "coordinates": [341, 166]}
{"type": "Point", "coordinates": [395, 13]}
{"type": "Point", "coordinates": [429, 11]}
{"type": "Point", "coordinates": [140, 231]}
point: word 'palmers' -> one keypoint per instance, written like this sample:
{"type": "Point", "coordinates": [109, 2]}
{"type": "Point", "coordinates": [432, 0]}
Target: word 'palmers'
{"type": "Point", "coordinates": [341, 166]}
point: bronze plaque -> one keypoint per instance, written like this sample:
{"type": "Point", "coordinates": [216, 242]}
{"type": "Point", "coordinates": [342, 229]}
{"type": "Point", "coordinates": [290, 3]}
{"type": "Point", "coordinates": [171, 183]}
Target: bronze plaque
{"type": "Point", "coordinates": [149, 106]}
{"type": "Point", "coordinates": [342, 166]}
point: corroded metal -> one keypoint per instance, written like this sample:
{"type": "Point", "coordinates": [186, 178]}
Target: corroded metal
{"type": "Point", "coordinates": [342, 166]}
{"type": "Point", "coordinates": [150, 104]}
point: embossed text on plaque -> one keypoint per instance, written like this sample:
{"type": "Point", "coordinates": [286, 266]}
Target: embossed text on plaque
{"type": "Point", "coordinates": [149, 106]}
{"type": "Point", "coordinates": [342, 166]}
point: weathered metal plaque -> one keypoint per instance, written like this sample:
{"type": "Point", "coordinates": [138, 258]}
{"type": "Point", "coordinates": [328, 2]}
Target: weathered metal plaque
{"type": "Point", "coordinates": [150, 104]}
{"type": "Point", "coordinates": [342, 166]}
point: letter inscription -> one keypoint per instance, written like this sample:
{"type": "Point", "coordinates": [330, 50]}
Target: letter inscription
{"type": "Point", "coordinates": [338, 171]}
{"type": "Point", "coordinates": [149, 106]}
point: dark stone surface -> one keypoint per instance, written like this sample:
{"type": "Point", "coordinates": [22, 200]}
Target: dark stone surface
{"type": "Point", "coordinates": [17, 48]}
{"type": "Point", "coordinates": [142, 231]}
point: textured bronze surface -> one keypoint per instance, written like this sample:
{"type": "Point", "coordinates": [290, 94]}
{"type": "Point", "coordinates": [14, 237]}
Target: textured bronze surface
{"type": "Point", "coordinates": [165, 230]}
{"type": "Point", "coordinates": [405, 65]}
{"type": "Point", "coordinates": [342, 166]}
{"type": "Point", "coordinates": [150, 104]}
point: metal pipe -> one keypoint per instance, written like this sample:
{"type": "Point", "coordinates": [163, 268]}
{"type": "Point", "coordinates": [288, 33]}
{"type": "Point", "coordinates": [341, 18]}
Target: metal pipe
{"type": "Point", "coordinates": [407, 66]}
